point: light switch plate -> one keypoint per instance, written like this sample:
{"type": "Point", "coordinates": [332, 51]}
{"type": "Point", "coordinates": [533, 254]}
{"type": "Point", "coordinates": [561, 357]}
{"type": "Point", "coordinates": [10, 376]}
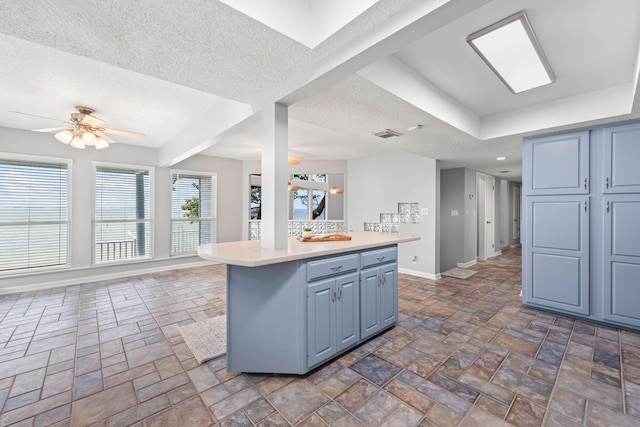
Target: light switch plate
{"type": "Point", "coordinates": [424, 211]}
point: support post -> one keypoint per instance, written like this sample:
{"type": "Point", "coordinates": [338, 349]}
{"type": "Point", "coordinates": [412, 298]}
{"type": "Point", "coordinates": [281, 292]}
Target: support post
{"type": "Point", "coordinates": [275, 175]}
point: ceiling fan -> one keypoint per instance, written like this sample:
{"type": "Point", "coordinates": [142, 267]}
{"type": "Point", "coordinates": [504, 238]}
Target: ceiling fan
{"type": "Point", "coordinates": [84, 129]}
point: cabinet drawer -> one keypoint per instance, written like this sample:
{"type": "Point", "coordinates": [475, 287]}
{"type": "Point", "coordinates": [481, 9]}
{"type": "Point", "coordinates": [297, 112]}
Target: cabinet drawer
{"type": "Point", "coordinates": [331, 266]}
{"type": "Point", "coordinates": [378, 256]}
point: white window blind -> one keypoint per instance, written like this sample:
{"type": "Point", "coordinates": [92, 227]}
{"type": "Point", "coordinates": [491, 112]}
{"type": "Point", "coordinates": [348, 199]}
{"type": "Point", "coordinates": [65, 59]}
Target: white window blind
{"type": "Point", "coordinates": [34, 214]}
{"type": "Point", "coordinates": [122, 222]}
{"type": "Point", "coordinates": [192, 211]}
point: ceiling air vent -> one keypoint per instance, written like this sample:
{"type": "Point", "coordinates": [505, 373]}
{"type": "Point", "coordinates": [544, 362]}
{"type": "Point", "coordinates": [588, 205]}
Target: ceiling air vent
{"type": "Point", "coordinates": [387, 133]}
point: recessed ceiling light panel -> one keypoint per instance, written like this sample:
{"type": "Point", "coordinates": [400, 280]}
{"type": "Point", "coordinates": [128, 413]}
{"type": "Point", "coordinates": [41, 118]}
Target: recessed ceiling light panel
{"type": "Point", "coordinates": [511, 49]}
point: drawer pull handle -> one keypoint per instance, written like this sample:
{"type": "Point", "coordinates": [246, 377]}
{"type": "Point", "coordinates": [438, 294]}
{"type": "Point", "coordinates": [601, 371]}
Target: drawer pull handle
{"type": "Point", "coordinates": [381, 258]}
{"type": "Point", "coordinates": [336, 268]}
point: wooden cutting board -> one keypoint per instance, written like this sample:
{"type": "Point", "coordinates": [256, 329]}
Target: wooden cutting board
{"type": "Point", "coordinates": [324, 238]}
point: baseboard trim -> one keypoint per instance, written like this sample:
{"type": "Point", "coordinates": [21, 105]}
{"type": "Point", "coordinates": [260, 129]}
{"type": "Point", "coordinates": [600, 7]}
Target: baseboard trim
{"type": "Point", "coordinates": [497, 253]}
{"type": "Point", "coordinates": [467, 264]}
{"type": "Point", "coordinates": [517, 245]}
{"type": "Point", "coordinates": [420, 274]}
{"type": "Point", "coordinates": [99, 278]}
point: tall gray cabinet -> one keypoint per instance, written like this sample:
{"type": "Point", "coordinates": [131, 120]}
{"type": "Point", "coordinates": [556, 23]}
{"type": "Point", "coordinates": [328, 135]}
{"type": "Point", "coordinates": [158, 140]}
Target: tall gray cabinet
{"type": "Point", "coordinates": [581, 208]}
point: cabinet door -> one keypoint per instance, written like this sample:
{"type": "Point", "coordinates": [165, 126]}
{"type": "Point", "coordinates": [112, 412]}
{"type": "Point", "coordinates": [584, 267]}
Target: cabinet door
{"type": "Point", "coordinates": [556, 267]}
{"type": "Point", "coordinates": [321, 318]}
{"type": "Point", "coordinates": [389, 295]}
{"type": "Point", "coordinates": [621, 281]}
{"type": "Point", "coordinates": [621, 153]}
{"type": "Point", "coordinates": [557, 164]}
{"type": "Point", "coordinates": [348, 310]}
{"type": "Point", "coordinates": [369, 302]}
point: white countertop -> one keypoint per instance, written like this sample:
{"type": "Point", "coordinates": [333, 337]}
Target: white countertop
{"type": "Point", "coordinates": [248, 253]}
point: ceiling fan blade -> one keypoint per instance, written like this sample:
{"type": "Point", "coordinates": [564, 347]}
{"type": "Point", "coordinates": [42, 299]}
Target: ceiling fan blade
{"type": "Point", "coordinates": [126, 133]}
{"type": "Point", "coordinates": [53, 129]}
{"type": "Point", "coordinates": [105, 137]}
{"type": "Point", "coordinates": [91, 120]}
{"type": "Point", "coordinates": [40, 117]}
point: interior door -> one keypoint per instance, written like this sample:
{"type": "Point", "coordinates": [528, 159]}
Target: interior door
{"type": "Point", "coordinates": [516, 212]}
{"type": "Point", "coordinates": [489, 216]}
{"type": "Point", "coordinates": [480, 200]}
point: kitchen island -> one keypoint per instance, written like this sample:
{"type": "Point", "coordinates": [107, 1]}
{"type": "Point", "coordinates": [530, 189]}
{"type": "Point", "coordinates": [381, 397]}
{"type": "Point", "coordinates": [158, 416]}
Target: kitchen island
{"type": "Point", "coordinates": [290, 310]}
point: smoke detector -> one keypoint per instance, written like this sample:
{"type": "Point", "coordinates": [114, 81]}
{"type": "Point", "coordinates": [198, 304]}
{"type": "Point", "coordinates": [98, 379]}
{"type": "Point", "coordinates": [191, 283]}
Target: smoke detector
{"type": "Point", "coordinates": [387, 133]}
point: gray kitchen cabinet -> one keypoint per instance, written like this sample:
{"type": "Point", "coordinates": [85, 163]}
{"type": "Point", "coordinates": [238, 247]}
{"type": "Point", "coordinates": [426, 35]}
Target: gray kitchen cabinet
{"type": "Point", "coordinates": [378, 291]}
{"type": "Point", "coordinates": [333, 312]}
{"type": "Point", "coordinates": [290, 317]}
{"type": "Point", "coordinates": [621, 168]}
{"type": "Point", "coordinates": [621, 274]}
{"type": "Point", "coordinates": [581, 250]}
{"type": "Point", "coordinates": [557, 164]}
{"type": "Point", "coordinates": [557, 252]}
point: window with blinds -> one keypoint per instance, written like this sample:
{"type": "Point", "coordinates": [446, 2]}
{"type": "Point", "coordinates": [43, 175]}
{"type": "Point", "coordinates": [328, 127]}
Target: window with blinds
{"type": "Point", "coordinates": [122, 221]}
{"type": "Point", "coordinates": [34, 213]}
{"type": "Point", "coordinates": [192, 211]}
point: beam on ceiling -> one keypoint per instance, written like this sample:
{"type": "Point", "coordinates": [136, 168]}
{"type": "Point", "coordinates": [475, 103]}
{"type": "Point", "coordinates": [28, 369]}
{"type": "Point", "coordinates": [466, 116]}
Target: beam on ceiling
{"type": "Point", "coordinates": [223, 119]}
{"type": "Point", "coordinates": [416, 21]}
{"type": "Point", "coordinates": [397, 78]}
{"type": "Point", "coordinates": [610, 102]}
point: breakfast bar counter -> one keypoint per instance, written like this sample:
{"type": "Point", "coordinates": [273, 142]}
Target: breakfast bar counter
{"type": "Point", "coordinates": [290, 310]}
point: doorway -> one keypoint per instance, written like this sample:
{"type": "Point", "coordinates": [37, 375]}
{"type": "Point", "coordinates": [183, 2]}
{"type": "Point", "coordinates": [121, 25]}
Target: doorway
{"type": "Point", "coordinates": [516, 213]}
{"type": "Point", "coordinates": [486, 216]}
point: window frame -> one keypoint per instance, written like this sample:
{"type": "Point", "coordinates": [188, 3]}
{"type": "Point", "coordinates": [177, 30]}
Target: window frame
{"type": "Point", "coordinates": [126, 167]}
{"type": "Point", "coordinates": [214, 207]}
{"type": "Point", "coordinates": [69, 222]}
{"type": "Point", "coordinates": [311, 187]}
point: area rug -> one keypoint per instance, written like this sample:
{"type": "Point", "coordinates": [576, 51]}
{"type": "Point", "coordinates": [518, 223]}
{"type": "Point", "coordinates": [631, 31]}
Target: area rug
{"type": "Point", "coordinates": [207, 339]}
{"type": "Point", "coordinates": [459, 273]}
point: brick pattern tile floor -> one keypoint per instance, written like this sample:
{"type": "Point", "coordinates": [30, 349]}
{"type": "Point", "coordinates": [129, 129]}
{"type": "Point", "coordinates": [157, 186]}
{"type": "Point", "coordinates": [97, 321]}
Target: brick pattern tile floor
{"type": "Point", "coordinates": [464, 352]}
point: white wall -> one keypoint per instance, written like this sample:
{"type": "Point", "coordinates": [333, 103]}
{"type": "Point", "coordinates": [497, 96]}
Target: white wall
{"type": "Point", "coordinates": [452, 228]}
{"type": "Point", "coordinates": [376, 184]}
{"type": "Point", "coordinates": [32, 143]}
{"type": "Point", "coordinates": [471, 216]}
{"type": "Point", "coordinates": [458, 234]}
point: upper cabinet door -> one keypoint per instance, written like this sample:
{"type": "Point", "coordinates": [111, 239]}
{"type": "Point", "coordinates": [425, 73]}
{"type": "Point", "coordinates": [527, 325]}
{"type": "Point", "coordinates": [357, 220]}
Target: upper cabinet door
{"type": "Point", "coordinates": [557, 164]}
{"type": "Point", "coordinates": [621, 159]}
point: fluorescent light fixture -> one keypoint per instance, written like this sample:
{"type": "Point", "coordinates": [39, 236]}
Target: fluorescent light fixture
{"type": "Point", "coordinates": [501, 158]}
{"type": "Point", "coordinates": [511, 50]}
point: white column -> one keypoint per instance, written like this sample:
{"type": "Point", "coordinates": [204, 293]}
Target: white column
{"type": "Point", "coordinates": [275, 175]}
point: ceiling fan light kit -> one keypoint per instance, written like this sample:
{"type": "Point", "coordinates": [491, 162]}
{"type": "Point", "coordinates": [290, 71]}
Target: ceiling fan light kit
{"type": "Point", "coordinates": [64, 136]}
{"type": "Point", "coordinates": [84, 130]}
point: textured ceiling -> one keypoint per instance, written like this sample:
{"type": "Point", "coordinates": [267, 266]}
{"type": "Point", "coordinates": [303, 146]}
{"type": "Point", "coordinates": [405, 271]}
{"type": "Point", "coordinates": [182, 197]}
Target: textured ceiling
{"type": "Point", "coordinates": [156, 66]}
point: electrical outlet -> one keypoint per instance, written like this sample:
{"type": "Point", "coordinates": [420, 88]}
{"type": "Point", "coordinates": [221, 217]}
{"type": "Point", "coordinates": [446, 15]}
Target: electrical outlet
{"type": "Point", "coordinates": [454, 212]}
{"type": "Point", "coordinates": [424, 211]}
{"type": "Point", "coordinates": [414, 260]}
